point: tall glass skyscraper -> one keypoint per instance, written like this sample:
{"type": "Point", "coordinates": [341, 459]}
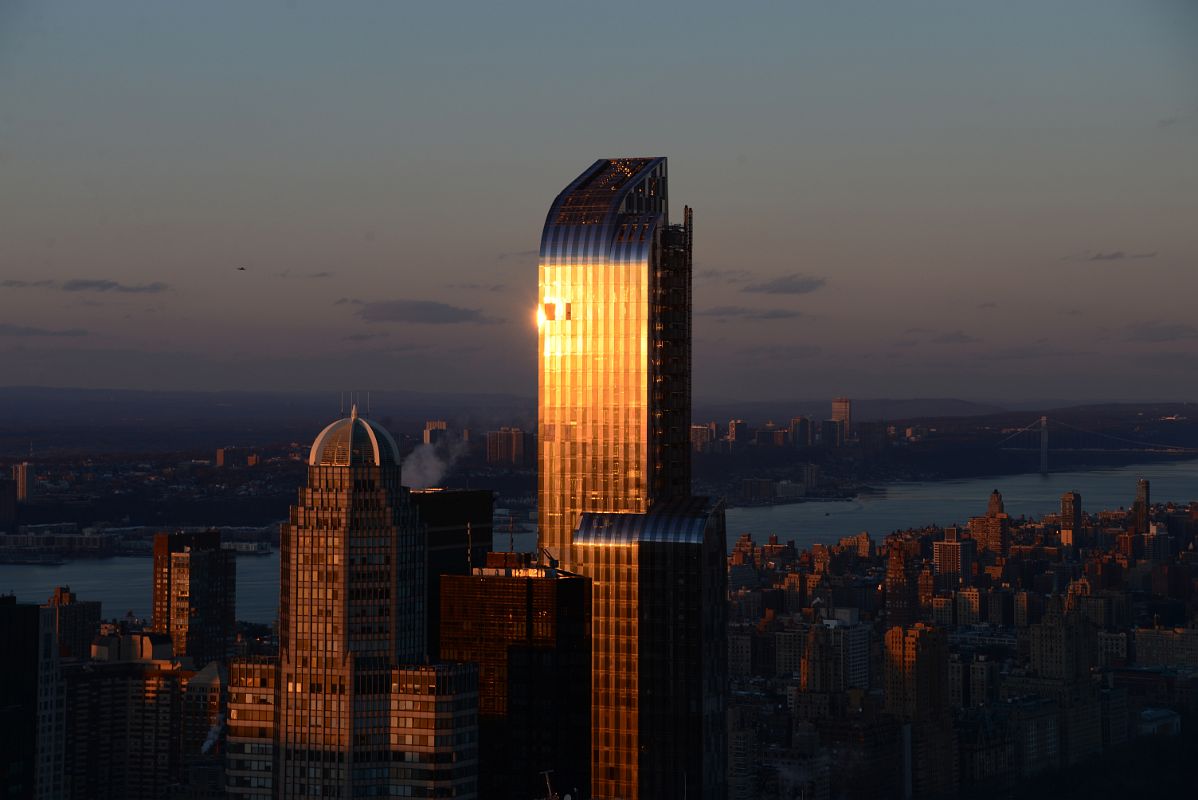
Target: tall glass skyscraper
{"type": "Point", "coordinates": [615, 349]}
{"type": "Point", "coordinates": [614, 338]}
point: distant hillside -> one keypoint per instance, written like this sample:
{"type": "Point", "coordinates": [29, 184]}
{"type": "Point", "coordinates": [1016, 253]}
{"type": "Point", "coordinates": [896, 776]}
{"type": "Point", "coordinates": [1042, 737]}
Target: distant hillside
{"type": "Point", "coordinates": [107, 420]}
{"type": "Point", "coordinates": [864, 410]}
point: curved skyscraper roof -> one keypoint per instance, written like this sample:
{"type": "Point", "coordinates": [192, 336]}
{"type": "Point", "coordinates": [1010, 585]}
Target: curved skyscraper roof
{"type": "Point", "coordinates": [614, 336]}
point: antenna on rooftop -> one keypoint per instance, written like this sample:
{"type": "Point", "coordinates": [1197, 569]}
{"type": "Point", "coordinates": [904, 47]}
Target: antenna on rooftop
{"type": "Point", "coordinates": [367, 403]}
{"type": "Point", "coordinates": [342, 402]}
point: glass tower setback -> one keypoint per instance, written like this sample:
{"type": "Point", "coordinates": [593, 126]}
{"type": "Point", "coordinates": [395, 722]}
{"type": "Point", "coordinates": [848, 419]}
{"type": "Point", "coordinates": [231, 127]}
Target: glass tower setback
{"type": "Point", "coordinates": [614, 349]}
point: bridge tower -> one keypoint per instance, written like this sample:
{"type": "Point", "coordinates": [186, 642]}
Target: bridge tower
{"type": "Point", "coordinates": [1043, 445]}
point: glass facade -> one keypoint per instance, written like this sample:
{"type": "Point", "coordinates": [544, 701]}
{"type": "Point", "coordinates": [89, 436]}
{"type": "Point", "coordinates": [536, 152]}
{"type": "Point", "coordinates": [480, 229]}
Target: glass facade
{"type": "Point", "coordinates": [351, 612]}
{"type": "Point", "coordinates": [659, 675]}
{"type": "Point", "coordinates": [614, 381]}
{"type": "Point", "coordinates": [613, 322]}
{"type": "Point", "coordinates": [528, 629]}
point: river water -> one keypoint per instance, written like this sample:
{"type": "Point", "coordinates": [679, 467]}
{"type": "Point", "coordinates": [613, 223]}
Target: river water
{"type": "Point", "coordinates": [123, 583]}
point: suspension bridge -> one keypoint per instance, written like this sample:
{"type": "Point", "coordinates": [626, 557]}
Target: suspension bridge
{"type": "Point", "coordinates": [1067, 438]}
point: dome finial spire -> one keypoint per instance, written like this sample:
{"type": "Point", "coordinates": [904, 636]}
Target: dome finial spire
{"type": "Point", "coordinates": [353, 411]}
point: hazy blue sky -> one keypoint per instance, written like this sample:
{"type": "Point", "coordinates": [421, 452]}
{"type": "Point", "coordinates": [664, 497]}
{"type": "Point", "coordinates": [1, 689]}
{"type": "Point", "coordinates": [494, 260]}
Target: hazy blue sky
{"type": "Point", "coordinates": [986, 200]}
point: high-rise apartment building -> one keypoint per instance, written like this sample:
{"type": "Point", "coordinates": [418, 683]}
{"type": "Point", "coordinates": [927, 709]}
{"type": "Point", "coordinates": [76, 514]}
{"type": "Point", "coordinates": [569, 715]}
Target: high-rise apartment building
{"type": "Point", "coordinates": [76, 622]}
{"type": "Point", "coordinates": [1071, 512]}
{"type": "Point", "coordinates": [902, 589]}
{"type": "Point", "coordinates": [917, 672]}
{"type": "Point", "coordinates": [195, 590]}
{"type": "Point", "coordinates": [659, 669]}
{"type": "Point", "coordinates": [124, 718]}
{"type": "Point", "coordinates": [801, 432]}
{"type": "Point", "coordinates": [917, 691]}
{"type": "Point", "coordinates": [953, 558]}
{"type": "Point", "coordinates": [251, 754]}
{"type": "Point", "coordinates": [831, 433]}
{"type": "Point", "coordinates": [1141, 509]}
{"type": "Point", "coordinates": [738, 432]}
{"type": "Point", "coordinates": [614, 349]}
{"type": "Point", "coordinates": [614, 381]}
{"type": "Point", "coordinates": [435, 431]}
{"type": "Point", "coordinates": [528, 629]}
{"type": "Point", "coordinates": [993, 531]}
{"type": "Point", "coordinates": [510, 446]}
{"type": "Point", "coordinates": [842, 412]}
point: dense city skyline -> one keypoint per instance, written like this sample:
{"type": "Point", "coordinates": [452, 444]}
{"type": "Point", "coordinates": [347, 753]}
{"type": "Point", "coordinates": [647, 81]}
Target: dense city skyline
{"type": "Point", "coordinates": [927, 201]}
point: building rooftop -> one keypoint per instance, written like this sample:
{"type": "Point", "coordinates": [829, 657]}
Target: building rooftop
{"type": "Point", "coordinates": [682, 521]}
{"type": "Point", "coordinates": [354, 441]}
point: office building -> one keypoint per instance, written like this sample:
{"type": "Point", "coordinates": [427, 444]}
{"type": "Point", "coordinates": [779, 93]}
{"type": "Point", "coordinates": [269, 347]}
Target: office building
{"type": "Point", "coordinates": [195, 589]}
{"type": "Point", "coordinates": [842, 412]}
{"type": "Point", "coordinates": [351, 608]}
{"type": "Point", "coordinates": [353, 715]}
{"type": "Point", "coordinates": [76, 622]}
{"type": "Point", "coordinates": [614, 384]}
{"type": "Point", "coordinates": [527, 627]}
{"type": "Point", "coordinates": [457, 525]}
{"type": "Point", "coordinates": [22, 475]}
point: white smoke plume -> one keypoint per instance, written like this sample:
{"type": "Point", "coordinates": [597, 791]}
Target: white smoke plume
{"type": "Point", "coordinates": [213, 737]}
{"type": "Point", "coordinates": [427, 465]}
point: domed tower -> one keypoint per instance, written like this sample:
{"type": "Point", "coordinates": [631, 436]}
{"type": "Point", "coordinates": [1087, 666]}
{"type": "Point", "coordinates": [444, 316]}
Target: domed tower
{"type": "Point", "coordinates": [351, 608]}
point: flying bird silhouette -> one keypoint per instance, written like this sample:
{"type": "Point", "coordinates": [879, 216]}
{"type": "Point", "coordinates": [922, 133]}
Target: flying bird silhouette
{"type": "Point", "coordinates": [241, 269]}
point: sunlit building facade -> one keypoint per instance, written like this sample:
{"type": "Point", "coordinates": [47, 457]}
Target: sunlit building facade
{"type": "Point", "coordinates": [528, 629]}
{"type": "Point", "coordinates": [352, 616]}
{"type": "Point", "coordinates": [614, 342]}
{"type": "Point", "coordinates": [613, 440]}
{"type": "Point", "coordinates": [842, 412]}
{"type": "Point", "coordinates": [195, 594]}
{"type": "Point", "coordinates": [659, 639]}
